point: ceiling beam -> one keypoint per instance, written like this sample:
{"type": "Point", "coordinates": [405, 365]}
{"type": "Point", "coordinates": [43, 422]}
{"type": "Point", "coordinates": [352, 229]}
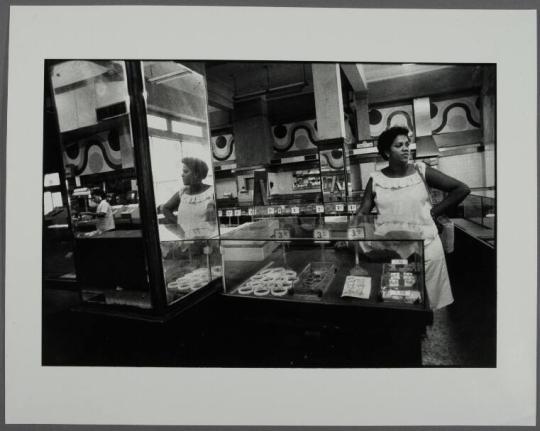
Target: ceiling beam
{"type": "Point", "coordinates": [435, 82]}
{"type": "Point", "coordinates": [356, 76]}
{"type": "Point", "coordinates": [220, 95]}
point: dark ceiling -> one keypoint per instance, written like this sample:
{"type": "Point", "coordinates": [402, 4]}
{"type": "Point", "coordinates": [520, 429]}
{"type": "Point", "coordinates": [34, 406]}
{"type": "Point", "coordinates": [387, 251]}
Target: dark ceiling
{"type": "Point", "coordinates": [288, 86]}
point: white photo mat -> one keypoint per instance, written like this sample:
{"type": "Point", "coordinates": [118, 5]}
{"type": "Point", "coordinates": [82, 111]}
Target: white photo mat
{"type": "Point", "coordinates": [505, 395]}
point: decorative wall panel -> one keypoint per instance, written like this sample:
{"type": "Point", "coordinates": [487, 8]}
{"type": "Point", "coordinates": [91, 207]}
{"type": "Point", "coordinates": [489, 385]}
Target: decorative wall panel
{"type": "Point", "coordinates": [223, 148]}
{"type": "Point", "coordinates": [382, 118]}
{"type": "Point", "coordinates": [103, 152]}
{"type": "Point", "coordinates": [455, 115]}
{"type": "Point", "coordinates": [295, 136]}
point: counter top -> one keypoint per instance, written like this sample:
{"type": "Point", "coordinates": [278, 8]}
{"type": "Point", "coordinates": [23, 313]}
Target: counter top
{"type": "Point", "coordinates": [481, 233]}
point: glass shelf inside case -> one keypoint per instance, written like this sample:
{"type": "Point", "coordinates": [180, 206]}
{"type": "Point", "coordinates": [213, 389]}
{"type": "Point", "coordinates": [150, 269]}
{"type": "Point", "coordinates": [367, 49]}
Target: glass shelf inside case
{"type": "Point", "coordinates": [189, 266]}
{"type": "Point", "coordinates": [314, 260]}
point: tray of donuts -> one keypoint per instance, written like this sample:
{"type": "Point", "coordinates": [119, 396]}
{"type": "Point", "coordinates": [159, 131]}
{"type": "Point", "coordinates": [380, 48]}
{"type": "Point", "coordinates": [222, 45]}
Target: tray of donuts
{"type": "Point", "coordinates": [194, 280]}
{"type": "Point", "coordinates": [315, 278]}
{"type": "Point", "coordinates": [277, 281]}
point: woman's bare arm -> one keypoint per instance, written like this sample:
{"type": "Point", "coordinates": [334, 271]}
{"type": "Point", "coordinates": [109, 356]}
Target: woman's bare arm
{"type": "Point", "coordinates": [170, 206]}
{"type": "Point", "coordinates": [457, 190]}
{"type": "Point", "coordinates": [368, 200]}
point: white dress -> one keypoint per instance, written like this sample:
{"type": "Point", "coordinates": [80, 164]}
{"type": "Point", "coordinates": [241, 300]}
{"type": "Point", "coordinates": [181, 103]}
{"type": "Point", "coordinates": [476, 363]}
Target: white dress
{"type": "Point", "coordinates": [192, 214]}
{"type": "Point", "coordinates": [405, 210]}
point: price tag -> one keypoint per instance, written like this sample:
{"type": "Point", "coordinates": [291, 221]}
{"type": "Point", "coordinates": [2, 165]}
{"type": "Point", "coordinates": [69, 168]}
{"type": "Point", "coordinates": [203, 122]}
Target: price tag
{"type": "Point", "coordinates": [283, 234]}
{"type": "Point", "coordinates": [237, 213]}
{"type": "Point", "coordinates": [220, 213]}
{"type": "Point", "coordinates": [356, 233]}
{"type": "Point", "coordinates": [340, 207]}
{"type": "Point", "coordinates": [295, 210]}
{"type": "Point", "coordinates": [229, 213]}
{"type": "Point", "coordinates": [319, 209]}
{"type": "Point", "coordinates": [352, 208]}
{"type": "Point", "coordinates": [321, 234]}
{"type": "Point", "coordinates": [250, 211]}
{"type": "Point", "coordinates": [399, 262]}
{"type": "Point", "coordinates": [270, 211]}
{"type": "Point", "coordinates": [280, 210]}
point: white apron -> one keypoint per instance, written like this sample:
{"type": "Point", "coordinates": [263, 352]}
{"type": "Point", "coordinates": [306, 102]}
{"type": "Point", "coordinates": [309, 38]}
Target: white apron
{"type": "Point", "coordinates": [405, 211]}
{"type": "Point", "coordinates": [194, 214]}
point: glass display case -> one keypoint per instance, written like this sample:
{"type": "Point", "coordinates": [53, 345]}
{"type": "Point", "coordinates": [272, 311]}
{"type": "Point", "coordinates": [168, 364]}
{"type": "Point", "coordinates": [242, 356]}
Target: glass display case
{"type": "Point", "coordinates": [479, 207]}
{"type": "Point", "coordinates": [189, 266]}
{"type": "Point", "coordinates": [134, 142]}
{"type": "Point", "coordinates": [58, 262]}
{"type": "Point", "coordinates": [96, 144]}
{"type": "Point", "coordinates": [314, 260]}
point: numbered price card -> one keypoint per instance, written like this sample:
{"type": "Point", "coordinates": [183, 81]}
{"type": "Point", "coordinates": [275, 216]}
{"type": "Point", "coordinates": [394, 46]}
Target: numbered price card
{"type": "Point", "coordinates": [237, 213]}
{"type": "Point", "coordinates": [220, 213]}
{"type": "Point", "coordinates": [282, 234]}
{"type": "Point", "coordinates": [319, 209]}
{"type": "Point", "coordinates": [270, 211]}
{"type": "Point", "coordinates": [229, 213]}
{"type": "Point", "coordinates": [321, 234]}
{"type": "Point", "coordinates": [280, 211]}
{"type": "Point", "coordinates": [340, 207]}
{"type": "Point", "coordinates": [250, 211]}
{"type": "Point", "coordinates": [295, 210]}
{"type": "Point", "coordinates": [352, 208]}
{"type": "Point", "coordinates": [356, 233]}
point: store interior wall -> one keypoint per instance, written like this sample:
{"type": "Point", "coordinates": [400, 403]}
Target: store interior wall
{"type": "Point", "coordinates": [226, 186]}
{"type": "Point", "coordinates": [458, 113]}
{"type": "Point", "coordinates": [469, 168]}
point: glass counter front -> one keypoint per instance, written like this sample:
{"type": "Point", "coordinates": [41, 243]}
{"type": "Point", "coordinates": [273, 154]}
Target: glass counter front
{"type": "Point", "coordinates": [308, 259]}
{"type": "Point", "coordinates": [479, 207]}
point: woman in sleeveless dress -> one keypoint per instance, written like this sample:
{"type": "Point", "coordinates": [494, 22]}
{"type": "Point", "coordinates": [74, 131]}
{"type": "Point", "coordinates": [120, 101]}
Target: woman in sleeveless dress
{"type": "Point", "coordinates": [399, 193]}
{"type": "Point", "coordinates": [196, 216]}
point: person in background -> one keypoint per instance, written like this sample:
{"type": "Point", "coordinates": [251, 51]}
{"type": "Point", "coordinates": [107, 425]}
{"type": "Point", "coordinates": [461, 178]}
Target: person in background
{"type": "Point", "coordinates": [399, 193]}
{"type": "Point", "coordinates": [104, 215]}
{"type": "Point", "coordinates": [195, 204]}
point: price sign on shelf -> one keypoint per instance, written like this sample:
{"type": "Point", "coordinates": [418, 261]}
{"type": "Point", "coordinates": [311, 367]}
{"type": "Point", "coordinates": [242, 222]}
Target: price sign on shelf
{"type": "Point", "coordinates": [280, 210]}
{"type": "Point", "coordinates": [229, 213]}
{"type": "Point", "coordinates": [295, 210]}
{"type": "Point", "coordinates": [399, 262]}
{"type": "Point", "coordinates": [283, 234]}
{"type": "Point", "coordinates": [237, 213]}
{"type": "Point", "coordinates": [321, 234]}
{"type": "Point", "coordinates": [220, 213]}
{"type": "Point", "coordinates": [352, 208]}
{"type": "Point", "coordinates": [319, 209]}
{"type": "Point", "coordinates": [270, 211]}
{"type": "Point", "coordinates": [340, 207]}
{"type": "Point", "coordinates": [356, 233]}
{"type": "Point", "coordinates": [250, 211]}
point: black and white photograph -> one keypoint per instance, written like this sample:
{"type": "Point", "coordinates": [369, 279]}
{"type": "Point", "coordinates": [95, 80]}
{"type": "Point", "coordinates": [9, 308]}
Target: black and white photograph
{"type": "Point", "coordinates": [269, 214]}
{"type": "Point", "coordinates": [295, 218]}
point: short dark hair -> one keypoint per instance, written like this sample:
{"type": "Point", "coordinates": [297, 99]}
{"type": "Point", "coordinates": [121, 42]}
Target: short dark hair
{"type": "Point", "coordinates": [387, 138]}
{"type": "Point", "coordinates": [198, 167]}
{"type": "Point", "coordinates": [98, 192]}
